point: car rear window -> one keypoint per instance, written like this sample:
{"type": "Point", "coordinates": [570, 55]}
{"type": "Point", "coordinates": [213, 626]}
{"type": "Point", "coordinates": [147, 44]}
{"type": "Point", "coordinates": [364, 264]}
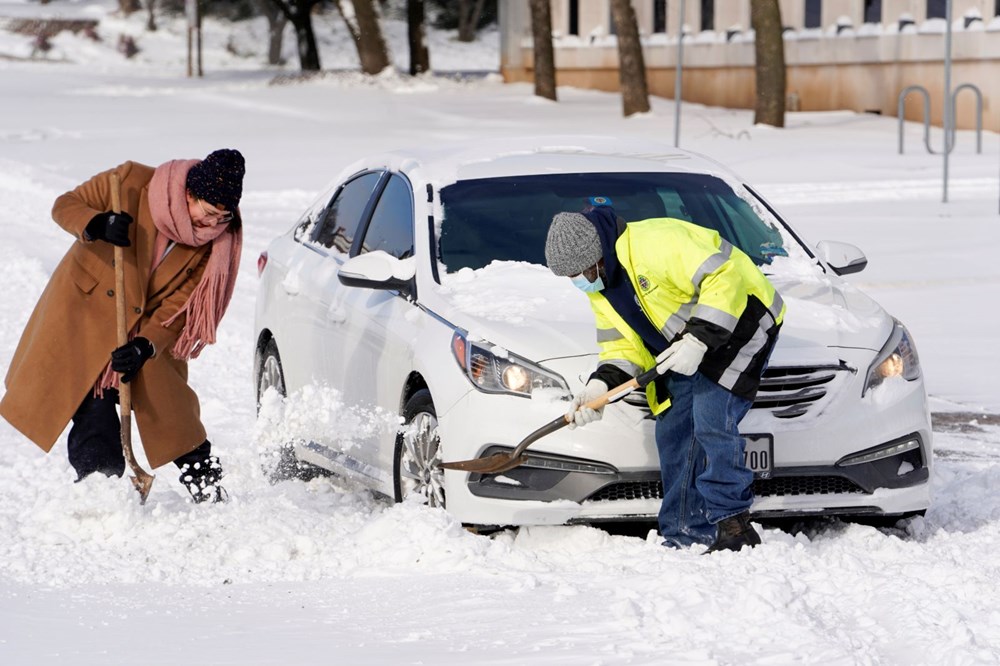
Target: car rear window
{"type": "Point", "coordinates": [507, 219]}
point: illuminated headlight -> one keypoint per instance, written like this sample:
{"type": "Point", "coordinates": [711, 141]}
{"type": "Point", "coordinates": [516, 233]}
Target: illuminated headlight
{"type": "Point", "coordinates": [887, 451]}
{"type": "Point", "coordinates": [898, 358]}
{"type": "Point", "coordinates": [495, 370]}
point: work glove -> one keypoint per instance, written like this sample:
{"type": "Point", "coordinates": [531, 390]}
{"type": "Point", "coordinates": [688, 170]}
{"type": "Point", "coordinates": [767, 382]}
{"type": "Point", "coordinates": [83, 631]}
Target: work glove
{"type": "Point", "coordinates": [682, 357]}
{"type": "Point", "coordinates": [129, 358]}
{"type": "Point", "coordinates": [110, 227]}
{"type": "Point", "coordinates": [580, 415]}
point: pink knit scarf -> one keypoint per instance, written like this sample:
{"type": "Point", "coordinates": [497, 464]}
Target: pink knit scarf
{"type": "Point", "coordinates": [209, 300]}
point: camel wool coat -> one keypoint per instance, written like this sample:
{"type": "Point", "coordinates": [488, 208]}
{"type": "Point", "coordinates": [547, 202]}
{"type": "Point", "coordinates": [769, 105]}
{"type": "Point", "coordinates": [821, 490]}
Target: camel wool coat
{"type": "Point", "coordinates": [69, 338]}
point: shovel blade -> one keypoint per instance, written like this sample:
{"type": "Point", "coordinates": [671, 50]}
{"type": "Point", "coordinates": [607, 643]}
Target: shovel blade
{"type": "Point", "coordinates": [494, 464]}
{"type": "Point", "coordinates": [143, 483]}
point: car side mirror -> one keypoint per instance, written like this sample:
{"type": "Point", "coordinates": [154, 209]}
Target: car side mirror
{"type": "Point", "coordinates": [380, 270]}
{"type": "Point", "coordinates": [843, 258]}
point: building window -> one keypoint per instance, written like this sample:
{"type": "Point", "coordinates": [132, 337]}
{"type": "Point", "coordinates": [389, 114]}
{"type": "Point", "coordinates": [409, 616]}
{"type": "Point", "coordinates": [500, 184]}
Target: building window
{"type": "Point", "coordinates": [574, 17]}
{"type": "Point", "coordinates": [936, 8]}
{"type": "Point", "coordinates": [814, 14]}
{"type": "Point", "coordinates": [708, 14]}
{"type": "Point", "coordinates": [660, 15]}
{"type": "Point", "coordinates": [873, 11]}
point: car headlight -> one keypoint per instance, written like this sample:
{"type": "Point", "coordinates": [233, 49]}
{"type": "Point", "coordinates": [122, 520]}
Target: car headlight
{"type": "Point", "coordinates": [495, 370]}
{"type": "Point", "coordinates": [898, 358]}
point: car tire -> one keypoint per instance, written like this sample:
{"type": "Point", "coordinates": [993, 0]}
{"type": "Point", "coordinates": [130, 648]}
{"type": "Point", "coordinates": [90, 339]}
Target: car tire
{"type": "Point", "coordinates": [415, 467]}
{"type": "Point", "coordinates": [269, 372]}
{"type": "Point", "coordinates": [284, 465]}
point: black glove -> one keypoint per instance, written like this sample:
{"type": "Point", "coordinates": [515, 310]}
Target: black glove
{"type": "Point", "coordinates": [110, 227]}
{"type": "Point", "coordinates": [128, 358]}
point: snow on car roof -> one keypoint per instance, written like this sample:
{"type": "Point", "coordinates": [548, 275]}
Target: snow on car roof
{"type": "Point", "coordinates": [443, 163]}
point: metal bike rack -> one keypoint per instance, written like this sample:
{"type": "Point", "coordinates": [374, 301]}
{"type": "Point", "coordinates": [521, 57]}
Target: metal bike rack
{"type": "Point", "coordinates": [950, 130]}
{"type": "Point", "coordinates": [979, 114]}
{"type": "Point", "coordinates": [927, 115]}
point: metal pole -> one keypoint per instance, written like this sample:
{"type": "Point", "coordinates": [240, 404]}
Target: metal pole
{"type": "Point", "coordinates": [949, 121]}
{"type": "Point", "coordinates": [679, 72]}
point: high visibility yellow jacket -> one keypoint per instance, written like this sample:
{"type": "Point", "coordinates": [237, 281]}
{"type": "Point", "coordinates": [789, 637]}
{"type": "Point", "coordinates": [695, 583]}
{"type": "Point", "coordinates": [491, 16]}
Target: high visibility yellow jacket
{"type": "Point", "coordinates": [688, 279]}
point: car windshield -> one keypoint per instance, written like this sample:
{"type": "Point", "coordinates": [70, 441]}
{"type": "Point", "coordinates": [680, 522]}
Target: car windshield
{"type": "Point", "coordinates": [507, 219]}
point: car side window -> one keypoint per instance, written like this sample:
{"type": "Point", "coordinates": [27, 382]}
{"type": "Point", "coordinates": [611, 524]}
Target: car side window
{"type": "Point", "coordinates": [307, 223]}
{"type": "Point", "coordinates": [391, 226]}
{"type": "Point", "coordinates": [343, 216]}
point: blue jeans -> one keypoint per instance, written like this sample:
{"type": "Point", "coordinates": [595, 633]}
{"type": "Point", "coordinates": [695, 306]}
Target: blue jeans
{"type": "Point", "coordinates": [701, 460]}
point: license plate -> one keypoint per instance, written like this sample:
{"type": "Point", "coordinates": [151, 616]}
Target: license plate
{"type": "Point", "coordinates": [758, 454]}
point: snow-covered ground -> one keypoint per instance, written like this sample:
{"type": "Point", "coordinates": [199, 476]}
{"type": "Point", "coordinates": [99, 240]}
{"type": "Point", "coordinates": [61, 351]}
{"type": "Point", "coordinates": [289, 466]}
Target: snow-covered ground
{"type": "Point", "coordinates": [320, 572]}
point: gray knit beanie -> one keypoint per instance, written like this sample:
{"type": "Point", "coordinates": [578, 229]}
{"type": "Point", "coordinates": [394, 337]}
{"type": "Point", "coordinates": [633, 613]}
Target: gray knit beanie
{"type": "Point", "coordinates": [572, 245]}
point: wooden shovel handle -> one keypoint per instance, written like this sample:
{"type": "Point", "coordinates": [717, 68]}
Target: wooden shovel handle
{"type": "Point", "coordinates": [619, 391]}
{"type": "Point", "coordinates": [599, 402]}
{"type": "Point", "coordinates": [124, 394]}
{"type": "Point", "coordinates": [142, 480]}
{"type": "Point", "coordinates": [501, 462]}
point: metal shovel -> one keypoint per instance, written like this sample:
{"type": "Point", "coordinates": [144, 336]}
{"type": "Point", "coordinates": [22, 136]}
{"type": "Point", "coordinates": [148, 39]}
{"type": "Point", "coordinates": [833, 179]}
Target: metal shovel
{"type": "Point", "coordinates": [501, 462]}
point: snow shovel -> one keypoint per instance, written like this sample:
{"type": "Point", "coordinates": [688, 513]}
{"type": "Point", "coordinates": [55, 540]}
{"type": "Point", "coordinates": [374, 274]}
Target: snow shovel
{"type": "Point", "coordinates": [142, 480]}
{"type": "Point", "coordinates": [501, 462]}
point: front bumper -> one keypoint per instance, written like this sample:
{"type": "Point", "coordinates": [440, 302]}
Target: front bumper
{"type": "Point", "coordinates": [895, 484]}
{"type": "Point", "coordinates": [610, 470]}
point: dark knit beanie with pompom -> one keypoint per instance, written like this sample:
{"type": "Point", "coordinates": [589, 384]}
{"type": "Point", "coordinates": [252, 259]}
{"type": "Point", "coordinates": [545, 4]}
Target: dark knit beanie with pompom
{"type": "Point", "coordinates": [218, 179]}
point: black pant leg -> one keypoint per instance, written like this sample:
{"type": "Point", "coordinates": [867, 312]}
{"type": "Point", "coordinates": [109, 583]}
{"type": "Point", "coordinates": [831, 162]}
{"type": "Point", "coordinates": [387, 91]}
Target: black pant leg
{"type": "Point", "coordinates": [200, 454]}
{"type": "Point", "coordinates": [94, 443]}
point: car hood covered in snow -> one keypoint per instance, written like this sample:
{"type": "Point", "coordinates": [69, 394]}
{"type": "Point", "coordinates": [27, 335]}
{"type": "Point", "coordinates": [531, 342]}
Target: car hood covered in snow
{"type": "Point", "coordinates": [527, 310]}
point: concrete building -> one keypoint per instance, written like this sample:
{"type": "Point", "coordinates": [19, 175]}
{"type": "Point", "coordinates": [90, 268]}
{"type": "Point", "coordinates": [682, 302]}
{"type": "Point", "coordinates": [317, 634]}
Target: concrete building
{"type": "Point", "coordinates": [840, 54]}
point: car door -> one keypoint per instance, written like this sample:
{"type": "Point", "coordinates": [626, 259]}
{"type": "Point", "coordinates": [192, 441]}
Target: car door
{"type": "Point", "coordinates": [324, 329]}
{"type": "Point", "coordinates": [378, 354]}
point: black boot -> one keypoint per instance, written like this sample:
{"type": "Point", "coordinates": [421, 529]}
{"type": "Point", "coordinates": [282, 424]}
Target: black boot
{"type": "Point", "coordinates": [202, 481]}
{"type": "Point", "coordinates": [734, 533]}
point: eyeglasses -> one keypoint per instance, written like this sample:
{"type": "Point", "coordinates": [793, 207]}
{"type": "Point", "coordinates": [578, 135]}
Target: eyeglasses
{"type": "Point", "coordinates": [221, 217]}
{"type": "Point", "coordinates": [589, 273]}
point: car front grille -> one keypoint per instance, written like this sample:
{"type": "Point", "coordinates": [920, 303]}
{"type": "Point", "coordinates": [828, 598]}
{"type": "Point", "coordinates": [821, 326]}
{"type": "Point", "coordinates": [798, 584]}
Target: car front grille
{"type": "Point", "coordinates": [787, 392]}
{"type": "Point", "coordinates": [628, 490]}
{"type": "Point", "coordinates": [804, 485]}
{"type": "Point", "coordinates": [790, 392]}
{"type": "Point", "coordinates": [777, 486]}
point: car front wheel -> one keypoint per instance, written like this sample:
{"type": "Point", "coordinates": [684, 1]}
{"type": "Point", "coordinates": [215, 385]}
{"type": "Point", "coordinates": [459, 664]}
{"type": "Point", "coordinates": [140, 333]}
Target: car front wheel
{"type": "Point", "coordinates": [418, 452]}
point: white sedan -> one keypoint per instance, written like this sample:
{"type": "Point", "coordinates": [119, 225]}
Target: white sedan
{"type": "Point", "coordinates": [417, 284]}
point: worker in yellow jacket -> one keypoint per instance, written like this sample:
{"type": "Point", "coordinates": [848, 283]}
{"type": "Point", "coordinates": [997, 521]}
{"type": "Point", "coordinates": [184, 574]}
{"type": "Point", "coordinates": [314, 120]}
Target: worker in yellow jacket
{"type": "Point", "coordinates": [677, 296]}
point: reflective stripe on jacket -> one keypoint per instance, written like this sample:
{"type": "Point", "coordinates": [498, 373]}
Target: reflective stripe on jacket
{"type": "Point", "coordinates": [688, 279]}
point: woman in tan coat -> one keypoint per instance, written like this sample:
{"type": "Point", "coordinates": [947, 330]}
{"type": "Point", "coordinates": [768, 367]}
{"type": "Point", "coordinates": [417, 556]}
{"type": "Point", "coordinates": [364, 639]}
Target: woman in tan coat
{"type": "Point", "coordinates": [181, 234]}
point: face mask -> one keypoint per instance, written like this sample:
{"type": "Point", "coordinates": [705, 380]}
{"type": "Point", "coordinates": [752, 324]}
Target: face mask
{"type": "Point", "coordinates": [585, 285]}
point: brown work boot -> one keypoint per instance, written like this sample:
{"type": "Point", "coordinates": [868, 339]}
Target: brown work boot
{"type": "Point", "coordinates": [734, 533]}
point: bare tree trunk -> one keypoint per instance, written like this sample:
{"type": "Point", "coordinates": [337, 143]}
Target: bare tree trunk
{"type": "Point", "coordinates": [769, 48]}
{"type": "Point", "coordinates": [367, 34]}
{"type": "Point", "coordinates": [276, 22]}
{"type": "Point", "coordinates": [352, 25]}
{"type": "Point", "coordinates": [150, 15]}
{"type": "Point", "coordinates": [299, 12]}
{"type": "Point", "coordinates": [541, 34]}
{"type": "Point", "coordinates": [420, 59]}
{"type": "Point", "coordinates": [129, 6]}
{"type": "Point", "coordinates": [631, 65]}
{"type": "Point", "coordinates": [469, 12]}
